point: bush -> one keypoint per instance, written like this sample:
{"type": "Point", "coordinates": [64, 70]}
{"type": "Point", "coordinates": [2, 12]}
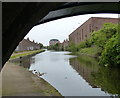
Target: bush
{"type": "Point", "coordinates": [101, 36]}
{"type": "Point", "coordinates": [84, 44]}
{"type": "Point", "coordinates": [111, 53]}
{"type": "Point", "coordinates": [72, 47]}
{"type": "Point", "coordinates": [92, 51]}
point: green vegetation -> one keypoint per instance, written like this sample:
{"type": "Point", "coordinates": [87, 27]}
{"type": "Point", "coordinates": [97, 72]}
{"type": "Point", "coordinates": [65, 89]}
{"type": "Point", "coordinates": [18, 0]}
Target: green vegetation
{"type": "Point", "coordinates": [25, 53]}
{"type": "Point", "coordinates": [55, 47]}
{"type": "Point", "coordinates": [91, 51]}
{"type": "Point", "coordinates": [111, 53]}
{"type": "Point", "coordinates": [41, 45]}
{"type": "Point", "coordinates": [103, 43]}
{"type": "Point", "coordinates": [72, 47]}
{"type": "Point", "coordinates": [85, 61]}
{"type": "Point", "coordinates": [100, 37]}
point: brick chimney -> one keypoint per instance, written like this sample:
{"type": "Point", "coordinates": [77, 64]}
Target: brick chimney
{"type": "Point", "coordinates": [33, 41]}
{"type": "Point", "coordinates": [28, 39]}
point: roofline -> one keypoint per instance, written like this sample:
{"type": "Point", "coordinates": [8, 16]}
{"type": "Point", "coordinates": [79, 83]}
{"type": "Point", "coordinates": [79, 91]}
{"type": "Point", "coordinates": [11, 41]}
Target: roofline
{"type": "Point", "coordinates": [105, 17]}
{"type": "Point", "coordinates": [90, 19]}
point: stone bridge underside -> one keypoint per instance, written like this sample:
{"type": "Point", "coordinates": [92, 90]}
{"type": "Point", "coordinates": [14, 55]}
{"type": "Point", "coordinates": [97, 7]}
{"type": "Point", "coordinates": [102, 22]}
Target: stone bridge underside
{"type": "Point", "coordinates": [18, 18]}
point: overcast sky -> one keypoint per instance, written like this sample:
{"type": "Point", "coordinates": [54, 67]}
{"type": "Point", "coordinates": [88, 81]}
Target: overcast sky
{"type": "Point", "coordinates": [60, 29]}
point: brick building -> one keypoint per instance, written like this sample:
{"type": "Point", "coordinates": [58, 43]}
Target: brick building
{"type": "Point", "coordinates": [53, 42]}
{"type": "Point", "coordinates": [65, 44]}
{"type": "Point", "coordinates": [26, 44]}
{"type": "Point", "coordinates": [92, 24]}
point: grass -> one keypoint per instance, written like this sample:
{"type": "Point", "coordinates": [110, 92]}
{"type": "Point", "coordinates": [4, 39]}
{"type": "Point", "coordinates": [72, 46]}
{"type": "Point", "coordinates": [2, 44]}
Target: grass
{"type": "Point", "coordinates": [25, 54]}
{"type": "Point", "coordinates": [92, 51]}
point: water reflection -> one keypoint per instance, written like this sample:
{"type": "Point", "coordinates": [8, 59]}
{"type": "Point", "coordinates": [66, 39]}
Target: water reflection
{"type": "Point", "coordinates": [107, 79]}
{"type": "Point", "coordinates": [24, 62]}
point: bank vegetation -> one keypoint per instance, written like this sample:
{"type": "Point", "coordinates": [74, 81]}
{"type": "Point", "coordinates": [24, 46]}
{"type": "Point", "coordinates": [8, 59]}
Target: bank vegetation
{"type": "Point", "coordinates": [25, 53]}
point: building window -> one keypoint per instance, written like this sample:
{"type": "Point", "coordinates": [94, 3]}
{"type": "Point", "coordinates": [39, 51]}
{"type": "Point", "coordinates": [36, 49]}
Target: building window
{"type": "Point", "coordinates": [96, 28]}
{"type": "Point", "coordinates": [27, 48]}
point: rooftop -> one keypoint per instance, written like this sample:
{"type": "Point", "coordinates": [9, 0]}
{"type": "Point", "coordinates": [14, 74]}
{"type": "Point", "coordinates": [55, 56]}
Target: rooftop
{"type": "Point", "coordinates": [54, 40]}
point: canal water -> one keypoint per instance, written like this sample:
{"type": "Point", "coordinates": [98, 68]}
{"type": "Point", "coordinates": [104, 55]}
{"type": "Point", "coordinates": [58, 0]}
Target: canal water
{"type": "Point", "coordinates": [74, 76]}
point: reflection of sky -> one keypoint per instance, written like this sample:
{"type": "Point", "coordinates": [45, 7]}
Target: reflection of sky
{"type": "Point", "coordinates": [62, 76]}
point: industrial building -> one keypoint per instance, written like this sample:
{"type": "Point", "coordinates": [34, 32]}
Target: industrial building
{"type": "Point", "coordinates": [92, 24]}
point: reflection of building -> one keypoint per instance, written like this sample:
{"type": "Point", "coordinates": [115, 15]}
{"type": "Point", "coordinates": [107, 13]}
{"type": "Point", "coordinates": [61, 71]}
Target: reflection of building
{"type": "Point", "coordinates": [92, 24]}
{"type": "Point", "coordinates": [25, 62]}
{"type": "Point", "coordinates": [53, 41]}
{"type": "Point", "coordinates": [84, 70]}
{"type": "Point", "coordinates": [26, 44]}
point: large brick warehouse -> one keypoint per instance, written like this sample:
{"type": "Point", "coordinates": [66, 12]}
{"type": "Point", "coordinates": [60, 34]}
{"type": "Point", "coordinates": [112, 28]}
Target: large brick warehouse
{"type": "Point", "coordinates": [92, 24]}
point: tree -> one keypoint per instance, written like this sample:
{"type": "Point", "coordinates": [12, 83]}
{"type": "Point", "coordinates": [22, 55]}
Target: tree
{"type": "Point", "coordinates": [72, 47]}
{"type": "Point", "coordinates": [55, 47]}
{"type": "Point", "coordinates": [41, 45]}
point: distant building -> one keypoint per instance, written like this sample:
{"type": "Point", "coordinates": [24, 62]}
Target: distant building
{"type": "Point", "coordinates": [65, 44]}
{"type": "Point", "coordinates": [26, 44]}
{"type": "Point", "coordinates": [92, 24]}
{"type": "Point", "coordinates": [53, 42]}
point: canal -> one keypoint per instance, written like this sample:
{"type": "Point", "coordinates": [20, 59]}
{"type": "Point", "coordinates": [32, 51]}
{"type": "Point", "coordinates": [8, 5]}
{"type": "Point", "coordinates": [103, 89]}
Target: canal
{"type": "Point", "coordinates": [74, 76]}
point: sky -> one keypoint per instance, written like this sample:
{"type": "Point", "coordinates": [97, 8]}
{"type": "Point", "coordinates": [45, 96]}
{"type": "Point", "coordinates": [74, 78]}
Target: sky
{"type": "Point", "coordinates": [60, 29]}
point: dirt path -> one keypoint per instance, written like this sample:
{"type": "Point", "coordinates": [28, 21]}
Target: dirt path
{"type": "Point", "coordinates": [17, 80]}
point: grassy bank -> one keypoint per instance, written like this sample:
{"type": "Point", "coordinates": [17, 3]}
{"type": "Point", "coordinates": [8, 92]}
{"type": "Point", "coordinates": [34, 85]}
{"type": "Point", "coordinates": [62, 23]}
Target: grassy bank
{"type": "Point", "coordinates": [90, 51]}
{"type": "Point", "coordinates": [17, 55]}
